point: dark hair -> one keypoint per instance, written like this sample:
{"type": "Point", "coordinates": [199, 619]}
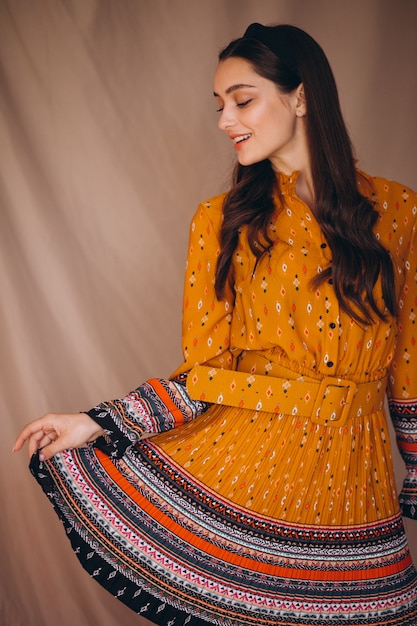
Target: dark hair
{"type": "Point", "coordinates": [290, 57]}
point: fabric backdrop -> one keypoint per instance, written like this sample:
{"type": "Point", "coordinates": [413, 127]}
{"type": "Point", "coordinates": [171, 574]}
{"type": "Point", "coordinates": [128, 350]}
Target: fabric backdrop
{"type": "Point", "coordinates": [108, 141]}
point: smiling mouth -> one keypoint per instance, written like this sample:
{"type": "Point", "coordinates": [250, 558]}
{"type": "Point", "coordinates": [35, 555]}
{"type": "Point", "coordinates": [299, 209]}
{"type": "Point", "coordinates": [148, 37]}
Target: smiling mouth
{"type": "Point", "coordinates": [241, 138]}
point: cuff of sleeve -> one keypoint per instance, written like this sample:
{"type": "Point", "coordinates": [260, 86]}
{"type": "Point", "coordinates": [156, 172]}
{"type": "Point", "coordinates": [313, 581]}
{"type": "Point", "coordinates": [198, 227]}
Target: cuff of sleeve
{"type": "Point", "coordinates": [408, 496]}
{"type": "Point", "coordinates": [115, 442]}
{"type": "Point", "coordinates": [404, 418]}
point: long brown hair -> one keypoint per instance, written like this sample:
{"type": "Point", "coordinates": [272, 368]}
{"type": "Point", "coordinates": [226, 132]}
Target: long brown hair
{"type": "Point", "coordinates": [288, 56]}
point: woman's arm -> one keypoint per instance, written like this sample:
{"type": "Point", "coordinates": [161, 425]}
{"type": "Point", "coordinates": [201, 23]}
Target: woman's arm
{"type": "Point", "coordinates": [114, 426]}
{"type": "Point", "coordinates": [154, 407]}
{"type": "Point", "coordinates": [206, 321]}
{"type": "Point", "coordinates": [402, 379]}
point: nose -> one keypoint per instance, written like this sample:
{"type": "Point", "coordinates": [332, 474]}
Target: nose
{"type": "Point", "coordinates": [226, 119]}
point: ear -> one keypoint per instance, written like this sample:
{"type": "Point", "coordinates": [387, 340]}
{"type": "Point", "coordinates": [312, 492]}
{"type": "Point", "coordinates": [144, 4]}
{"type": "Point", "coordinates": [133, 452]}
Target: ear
{"type": "Point", "coordinates": [301, 104]}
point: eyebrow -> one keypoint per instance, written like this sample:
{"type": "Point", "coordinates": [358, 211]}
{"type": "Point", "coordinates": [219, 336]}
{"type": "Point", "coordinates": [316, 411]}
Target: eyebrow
{"type": "Point", "coordinates": [233, 88]}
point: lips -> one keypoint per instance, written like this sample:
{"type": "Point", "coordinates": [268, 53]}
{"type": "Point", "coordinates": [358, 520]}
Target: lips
{"type": "Point", "coordinates": [239, 138]}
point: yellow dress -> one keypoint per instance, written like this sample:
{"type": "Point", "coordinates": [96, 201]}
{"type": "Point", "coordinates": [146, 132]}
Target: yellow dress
{"type": "Point", "coordinates": [266, 504]}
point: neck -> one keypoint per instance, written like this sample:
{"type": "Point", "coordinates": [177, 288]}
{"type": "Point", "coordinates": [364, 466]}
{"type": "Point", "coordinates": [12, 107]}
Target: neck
{"type": "Point", "coordinates": [305, 188]}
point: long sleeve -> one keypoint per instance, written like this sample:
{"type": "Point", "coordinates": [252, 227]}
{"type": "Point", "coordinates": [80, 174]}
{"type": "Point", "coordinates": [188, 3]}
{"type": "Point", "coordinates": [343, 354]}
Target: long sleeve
{"type": "Point", "coordinates": [157, 405]}
{"type": "Point", "coordinates": [402, 385]}
{"type": "Point", "coordinates": [206, 320]}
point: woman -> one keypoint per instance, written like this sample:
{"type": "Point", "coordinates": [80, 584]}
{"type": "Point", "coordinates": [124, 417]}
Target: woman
{"type": "Point", "coordinates": [273, 500]}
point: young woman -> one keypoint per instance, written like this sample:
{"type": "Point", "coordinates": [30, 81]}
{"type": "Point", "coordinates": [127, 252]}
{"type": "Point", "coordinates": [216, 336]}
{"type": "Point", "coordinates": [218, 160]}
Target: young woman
{"type": "Point", "coordinates": [266, 494]}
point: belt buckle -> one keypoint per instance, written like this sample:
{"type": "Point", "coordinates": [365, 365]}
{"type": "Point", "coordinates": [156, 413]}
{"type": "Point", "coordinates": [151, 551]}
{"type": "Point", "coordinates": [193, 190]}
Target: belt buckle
{"type": "Point", "coordinates": [338, 407]}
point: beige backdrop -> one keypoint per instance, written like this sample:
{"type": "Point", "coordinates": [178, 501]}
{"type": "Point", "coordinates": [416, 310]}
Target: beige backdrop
{"type": "Point", "coordinates": [108, 141]}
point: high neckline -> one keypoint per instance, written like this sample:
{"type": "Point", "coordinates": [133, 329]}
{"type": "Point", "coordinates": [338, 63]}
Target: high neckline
{"type": "Point", "coordinates": [288, 182]}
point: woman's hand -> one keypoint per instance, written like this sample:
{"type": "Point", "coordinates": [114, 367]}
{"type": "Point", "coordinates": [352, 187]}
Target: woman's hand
{"type": "Point", "coordinates": [58, 431]}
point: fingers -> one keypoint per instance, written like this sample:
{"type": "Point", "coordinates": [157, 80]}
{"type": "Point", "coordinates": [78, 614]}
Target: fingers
{"type": "Point", "coordinates": [34, 430]}
{"type": "Point", "coordinates": [48, 451]}
{"type": "Point", "coordinates": [20, 440]}
{"type": "Point", "coordinates": [55, 432]}
{"type": "Point", "coordinates": [46, 440]}
{"type": "Point", "coordinates": [39, 433]}
{"type": "Point", "coordinates": [42, 445]}
{"type": "Point", "coordinates": [34, 444]}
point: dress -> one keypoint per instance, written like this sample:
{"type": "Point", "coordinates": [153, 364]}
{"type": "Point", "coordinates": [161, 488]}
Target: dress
{"type": "Point", "coordinates": [237, 512]}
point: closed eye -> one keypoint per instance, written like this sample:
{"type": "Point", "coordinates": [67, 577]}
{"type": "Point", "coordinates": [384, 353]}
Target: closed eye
{"type": "Point", "coordinates": [243, 104]}
{"type": "Point", "coordinates": [238, 104]}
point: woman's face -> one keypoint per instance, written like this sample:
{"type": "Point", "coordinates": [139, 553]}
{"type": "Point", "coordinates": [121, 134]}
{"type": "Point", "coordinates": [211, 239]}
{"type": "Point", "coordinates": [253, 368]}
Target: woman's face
{"type": "Point", "coordinates": [262, 122]}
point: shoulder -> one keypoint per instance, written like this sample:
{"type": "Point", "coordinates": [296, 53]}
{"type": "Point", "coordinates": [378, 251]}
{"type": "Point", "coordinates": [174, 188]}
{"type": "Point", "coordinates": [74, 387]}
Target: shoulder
{"type": "Point", "coordinates": [386, 191]}
{"type": "Point", "coordinates": [209, 213]}
{"type": "Point", "coordinates": [397, 208]}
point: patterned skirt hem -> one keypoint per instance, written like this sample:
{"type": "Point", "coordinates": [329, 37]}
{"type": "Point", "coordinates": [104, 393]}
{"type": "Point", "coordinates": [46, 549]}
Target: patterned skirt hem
{"type": "Point", "coordinates": [165, 587]}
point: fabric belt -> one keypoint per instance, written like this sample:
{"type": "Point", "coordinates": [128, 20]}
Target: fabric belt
{"type": "Point", "coordinates": [328, 401]}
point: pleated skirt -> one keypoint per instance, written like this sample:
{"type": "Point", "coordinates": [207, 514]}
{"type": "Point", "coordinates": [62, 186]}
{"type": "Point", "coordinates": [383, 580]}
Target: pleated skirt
{"type": "Point", "coordinates": [243, 518]}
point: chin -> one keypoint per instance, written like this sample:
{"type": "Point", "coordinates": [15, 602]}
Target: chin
{"type": "Point", "coordinates": [247, 160]}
